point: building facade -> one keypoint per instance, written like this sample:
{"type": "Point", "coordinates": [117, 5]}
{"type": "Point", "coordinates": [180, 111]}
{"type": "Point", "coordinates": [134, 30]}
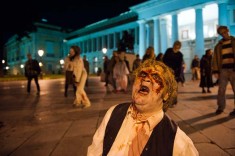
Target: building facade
{"type": "Point", "coordinates": [158, 23]}
{"type": "Point", "coordinates": [45, 38]}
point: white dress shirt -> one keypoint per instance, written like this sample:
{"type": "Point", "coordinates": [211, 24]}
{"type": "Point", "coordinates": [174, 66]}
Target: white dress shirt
{"type": "Point", "coordinates": [183, 145]}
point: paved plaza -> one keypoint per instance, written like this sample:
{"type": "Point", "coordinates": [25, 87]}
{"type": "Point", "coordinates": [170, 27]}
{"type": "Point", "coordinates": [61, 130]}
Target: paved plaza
{"type": "Point", "coordinates": [48, 125]}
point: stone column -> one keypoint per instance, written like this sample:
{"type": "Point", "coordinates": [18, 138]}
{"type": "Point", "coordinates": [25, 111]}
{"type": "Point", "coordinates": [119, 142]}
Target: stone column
{"type": "Point", "coordinates": [97, 43]}
{"type": "Point", "coordinates": [147, 35]}
{"type": "Point", "coordinates": [114, 41]}
{"type": "Point", "coordinates": [174, 28]}
{"type": "Point", "coordinates": [223, 14]}
{"type": "Point", "coordinates": [199, 49]}
{"type": "Point", "coordinates": [163, 35]}
{"type": "Point", "coordinates": [108, 41]}
{"type": "Point", "coordinates": [142, 38]}
{"type": "Point", "coordinates": [156, 38]}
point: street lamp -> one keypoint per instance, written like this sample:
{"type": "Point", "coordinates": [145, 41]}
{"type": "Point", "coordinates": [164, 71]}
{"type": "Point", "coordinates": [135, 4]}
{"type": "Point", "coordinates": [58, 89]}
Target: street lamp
{"type": "Point", "coordinates": [104, 50]}
{"type": "Point", "coordinates": [3, 61]}
{"type": "Point", "coordinates": [40, 64]}
{"type": "Point", "coordinates": [40, 53]}
{"type": "Point", "coordinates": [61, 61]}
{"type": "Point", "coordinates": [22, 66]}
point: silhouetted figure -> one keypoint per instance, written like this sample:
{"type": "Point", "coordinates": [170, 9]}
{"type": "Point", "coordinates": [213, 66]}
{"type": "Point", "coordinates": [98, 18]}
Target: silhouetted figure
{"type": "Point", "coordinates": [32, 71]}
{"type": "Point", "coordinates": [159, 57]}
{"type": "Point", "coordinates": [136, 62]}
{"type": "Point", "coordinates": [149, 54]}
{"type": "Point", "coordinates": [126, 43]}
{"type": "Point", "coordinates": [206, 72]}
{"type": "Point", "coordinates": [195, 67]}
{"type": "Point", "coordinates": [173, 58]}
{"type": "Point", "coordinates": [106, 71]}
{"type": "Point", "coordinates": [86, 65]}
{"type": "Point", "coordinates": [69, 68]}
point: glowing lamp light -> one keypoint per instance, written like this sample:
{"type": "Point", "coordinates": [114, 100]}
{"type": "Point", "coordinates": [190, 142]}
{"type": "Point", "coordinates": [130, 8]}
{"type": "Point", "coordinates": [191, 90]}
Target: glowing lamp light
{"type": "Point", "coordinates": [40, 64]}
{"type": "Point", "coordinates": [40, 53]}
{"type": "Point", "coordinates": [3, 61]}
{"type": "Point", "coordinates": [96, 59]}
{"type": "Point", "coordinates": [7, 67]}
{"type": "Point", "coordinates": [104, 50]}
{"type": "Point", "coordinates": [21, 66]}
{"type": "Point", "coordinates": [61, 61]}
{"type": "Point", "coordinates": [96, 69]}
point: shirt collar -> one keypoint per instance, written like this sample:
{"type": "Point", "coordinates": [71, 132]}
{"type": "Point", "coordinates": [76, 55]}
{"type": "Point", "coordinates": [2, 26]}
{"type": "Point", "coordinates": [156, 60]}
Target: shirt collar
{"type": "Point", "coordinates": [152, 120]}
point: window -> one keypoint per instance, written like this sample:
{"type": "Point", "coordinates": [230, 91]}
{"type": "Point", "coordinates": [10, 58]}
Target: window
{"type": "Point", "coordinates": [111, 41]}
{"type": "Point", "coordinates": [50, 49]}
{"type": "Point", "coordinates": [184, 34]}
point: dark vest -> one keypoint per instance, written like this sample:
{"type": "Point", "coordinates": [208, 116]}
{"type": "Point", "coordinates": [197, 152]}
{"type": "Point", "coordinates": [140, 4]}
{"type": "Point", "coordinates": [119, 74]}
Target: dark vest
{"type": "Point", "coordinates": [160, 143]}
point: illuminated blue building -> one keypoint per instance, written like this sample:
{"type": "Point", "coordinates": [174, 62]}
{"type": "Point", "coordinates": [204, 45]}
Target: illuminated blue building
{"type": "Point", "coordinates": [158, 23]}
{"type": "Point", "coordinates": [45, 37]}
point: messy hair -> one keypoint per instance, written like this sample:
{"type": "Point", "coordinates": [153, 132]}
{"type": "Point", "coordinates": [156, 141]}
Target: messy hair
{"type": "Point", "coordinates": [167, 77]}
{"type": "Point", "coordinates": [221, 27]}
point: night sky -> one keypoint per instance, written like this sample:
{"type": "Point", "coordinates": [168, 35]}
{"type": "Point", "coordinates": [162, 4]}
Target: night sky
{"type": "Point", "coordinates": [17, 16]}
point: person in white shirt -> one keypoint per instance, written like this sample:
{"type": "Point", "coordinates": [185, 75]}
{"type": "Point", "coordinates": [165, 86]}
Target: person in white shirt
{"type": "Point", "coordinates": [142, 127]}
{"type": "Point", "coordinates": [80, 76]}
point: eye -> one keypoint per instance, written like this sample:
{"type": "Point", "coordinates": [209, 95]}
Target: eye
{"type": "Point", "coordinates": [142, 74]}
{"type": "Point", "coordinates": [156, 77]}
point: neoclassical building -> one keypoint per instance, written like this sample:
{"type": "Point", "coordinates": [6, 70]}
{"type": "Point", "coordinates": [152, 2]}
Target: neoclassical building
{"type": "Point", "coordinates": [158, 23]}
{"type": "Point", "coordinates": [45, 38]}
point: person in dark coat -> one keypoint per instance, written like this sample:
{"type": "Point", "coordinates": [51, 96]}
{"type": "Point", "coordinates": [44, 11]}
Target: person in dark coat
{"type": "Point", "coordinates": [206, 71]}
{"type": "Point", "coordinates": [106, 71]}
{"type": "Point", "coordinates": [86, 65]}
{"type": "Point", "coordinates": [173, 58]}
{"type": "Point", "coordinates": [32, 71]}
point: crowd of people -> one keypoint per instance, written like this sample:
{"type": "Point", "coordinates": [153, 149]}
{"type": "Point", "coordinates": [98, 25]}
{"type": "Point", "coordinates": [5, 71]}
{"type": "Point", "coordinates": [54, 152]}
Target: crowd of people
{"type": "Point", "coordinates": [141, 127]}
{"type": "Point", "coordinates": [219, 64]}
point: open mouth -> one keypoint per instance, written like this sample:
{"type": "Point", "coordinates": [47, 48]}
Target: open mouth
{"type": "Point", "coordinates": [143, 90]}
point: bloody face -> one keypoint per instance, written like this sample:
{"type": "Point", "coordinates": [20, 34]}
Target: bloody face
{"type": "Point", "coordinates": [147, 90]}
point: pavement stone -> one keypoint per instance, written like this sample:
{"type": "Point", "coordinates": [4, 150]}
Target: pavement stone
{"type": "Point", "coordinates": [49, 125]}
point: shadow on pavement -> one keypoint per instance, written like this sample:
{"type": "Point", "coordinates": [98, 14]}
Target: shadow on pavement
{"type": "Point", "coordinates": [208, 97]}
{"type": "Point", "coordinates": [204, 125]}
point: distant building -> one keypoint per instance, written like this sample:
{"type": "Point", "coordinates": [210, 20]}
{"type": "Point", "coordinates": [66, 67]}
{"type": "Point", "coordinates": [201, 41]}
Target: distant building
{"type": "Point", "coordinates": [158, 23]}
{"type": "Point", "coordinates": [45, 37]}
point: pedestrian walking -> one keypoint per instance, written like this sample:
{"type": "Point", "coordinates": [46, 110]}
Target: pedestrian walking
{"type": "Point", "coordinates": [68, 68]}
{"type": "Point", "coordinates": [206, 72]}
{"type": "Point", "coordinates": [120, 73]}
{"type": "Point", "coordinates": [80, 76]}
{"type": "Point", "coordinates": [136, 62]}
{"type": "Point", "coordinates": [223, 65]}
{"type": "Point", "coordinates": [106, 71]}
{"type": "Point", "coordinates": [149, 54]}
{"type": "Point", "coordinates": [111, 65]}
{"type": "Point", "coordinates": [173, 58]}
{"type": "Point", "coordinates": [87, 67]}
{"type": "Point", "coordinates": [32, 71]}
{"type": "Point", "coordinates": [159, 57]}
{"type": "Point", "coordinates": [195, 67]}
